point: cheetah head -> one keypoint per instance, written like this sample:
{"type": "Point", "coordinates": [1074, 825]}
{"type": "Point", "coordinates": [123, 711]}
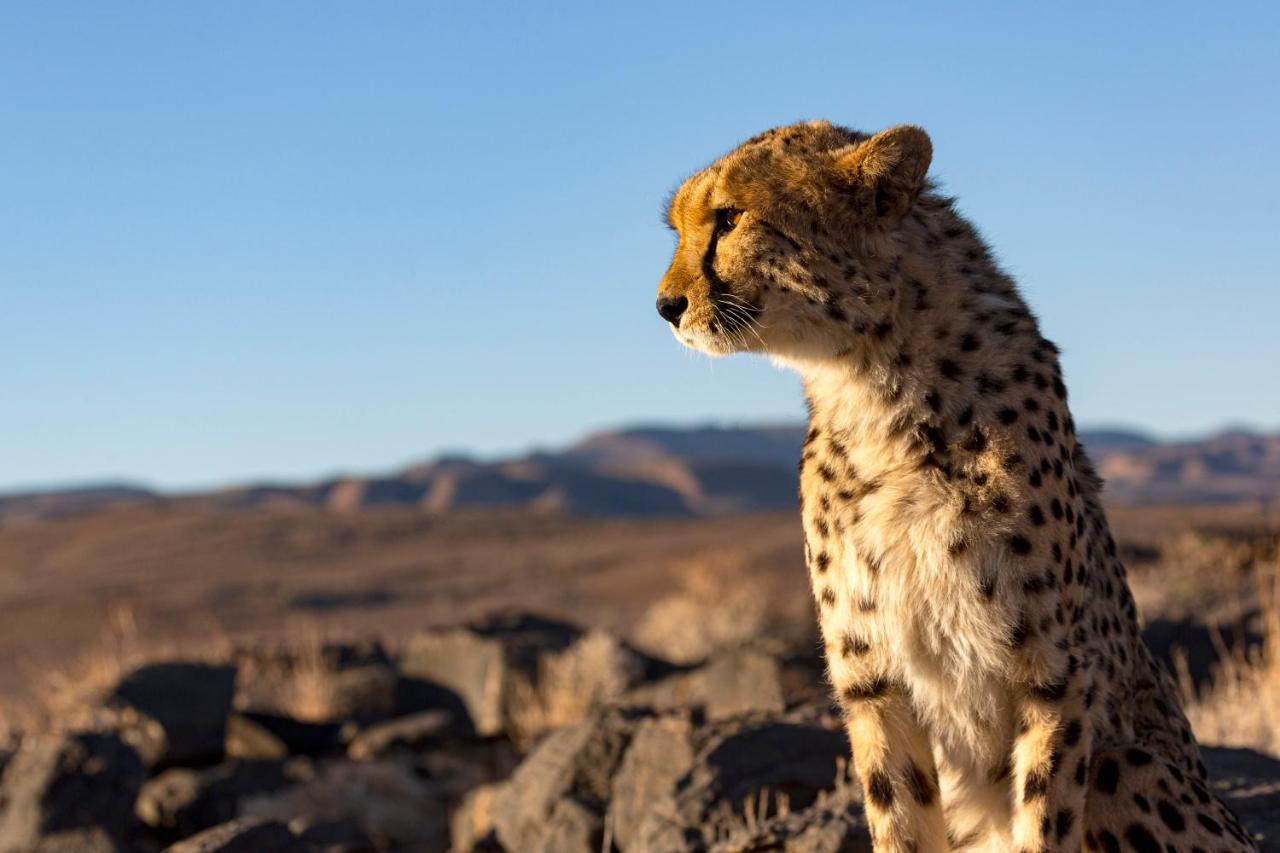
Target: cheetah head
{"type": "Point", "coordinates": [780, 240]}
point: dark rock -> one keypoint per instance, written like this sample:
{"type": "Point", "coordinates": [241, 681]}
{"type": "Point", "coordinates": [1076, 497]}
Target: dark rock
{"type": "Point", "coordinates": [833, 825]}
{"type": "Point", "coordinates": [734, 682]}
{"type": "Point", "coordinates": [660, 753]}
{"type": "Point", "coordinates": [69, 791]}
{"type": "Point", "coordinates": [575, 763]}
{"type": "Point", "coordinates": [181, 802]}
{"type": "Point", "coordinates": [188, 701]}
{"type": "Point", "coordinates": [414, 695]}
{"type": "Point", "coordinates": [396, 808]}
{"type": "Point", "coordinates": [522, 805]}
{"type": "Point", "coordinates": [243, 835]}
{"type": "Point", "coordinates": [736, 763]}
{"type": "Point", "coordinates": [337, 836]}
{"type": "Point", "coordinates": [405, 734]}
{"type": "Point", "coordinates": [479, 662]}
{"type": "Point", "coordinates": [459, 765]}
{"type": "Point", "coordinates": [1249, 782]}
{"type": "Point", "coordinates": [571, 828]}
{"type": "Point", "coordinates": [298, 737]}
{"type": "Point", "coordinates": [250, 740]}
{"type": "Point", "coordinates": [471, 824]}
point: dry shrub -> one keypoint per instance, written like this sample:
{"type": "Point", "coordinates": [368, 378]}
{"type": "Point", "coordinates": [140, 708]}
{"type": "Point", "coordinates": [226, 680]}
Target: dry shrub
{"type": "Point", "coordinates": [1198, 575]}
{"type": "Point", "coordinates": [720, 605]}
{"type": "Point", "coordinates": [302, 677]}
{"type": "Point", "coordinates": [1239, 706]}
{"type": "Point", "coordinates": [69, 697]}
{"type": "Point", "coordinates": [593, 671]}
{"type": "Point", "coordinates": [744, 828]}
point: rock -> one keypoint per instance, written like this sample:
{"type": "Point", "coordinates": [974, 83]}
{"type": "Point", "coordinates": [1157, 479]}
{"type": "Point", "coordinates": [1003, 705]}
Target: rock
{"type": "Point", "coordinates": [458, 765]}
{"type": "Point", "coordinates": [735, 682]}
{"type": "Point", "coordinates": [471, 824]}
{"type": "Point", "coordinates": [571, 828]}
{"type": "Point", "coordinates": [243, 835]}
{"type": "Point", "coordinates": [791, 764]}
{"type": "Point", "coordinates": [91, 840]}
{"type": "Point", "coordinates": [386, 800]}
{"type": "Point", "coordinates": [181, 802]}
{"type": "Point", "coordinates": [338, 836]}
{"type": "Point", "coordinates": [323, 683]}
{"type": "Point", "coordinates": [522, 805]}
{"type": "Point", "coordinates": [66, 791]}
{"type": "Point", "coordinates": [298, 737]}
{"type": "Point", "coordinates": [403, 734]}
{"type": "Point", "coordinates": [251, 740]}
{"type": "Point", "coordinates": [1249, 782]}
{"type": "Point", "coordinates": [414, 695]}
{"type": "Point", "coordinates": [188, 701]}
{"type": "Point", "coordinates": [575, 763]}
{"type": "Point", "coordinates": [479, 662]}
{"type": "Point", "coordinates": [660, 753]}
{"type": "Point", "coordinates": [833, 825]}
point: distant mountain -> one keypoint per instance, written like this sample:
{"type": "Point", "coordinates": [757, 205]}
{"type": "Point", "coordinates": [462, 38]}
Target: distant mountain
{"type": "Point", "coordinates": [54, 503]}
{"type": "Point", "coordinates": [654, 470]}
{"type": "Point", "coordinates": [1224, 468]}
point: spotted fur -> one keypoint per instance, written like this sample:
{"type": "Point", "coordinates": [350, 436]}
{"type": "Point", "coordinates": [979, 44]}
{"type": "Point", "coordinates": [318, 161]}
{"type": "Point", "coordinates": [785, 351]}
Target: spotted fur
{"type": "Point", "coordinates": [979, 630]}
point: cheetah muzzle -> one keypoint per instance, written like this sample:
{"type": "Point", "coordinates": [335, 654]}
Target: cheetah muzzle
{"type": "Point", "coordinates": [979, 631]}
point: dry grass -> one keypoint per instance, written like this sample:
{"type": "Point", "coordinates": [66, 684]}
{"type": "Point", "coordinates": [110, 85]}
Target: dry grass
{"type": "Point", "coordinates": [300, 676]}
{"type": "Point", "coordinates": [305, 686]}
{"type": "Point", "coordinates": [719, 604]}
{"type": "Point", "coordinates": [594, 670]}
{"type": "Point", "coordinates": [69, 696]}
{"type": "Point", "coordinates": [744, 827]}
{"type": "Point", "coordinates": [1239, 707]}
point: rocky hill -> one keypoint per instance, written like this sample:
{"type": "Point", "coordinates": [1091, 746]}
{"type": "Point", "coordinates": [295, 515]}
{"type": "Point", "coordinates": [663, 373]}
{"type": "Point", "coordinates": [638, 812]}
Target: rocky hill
{"type": "Point", "coordinates": [703, 471]}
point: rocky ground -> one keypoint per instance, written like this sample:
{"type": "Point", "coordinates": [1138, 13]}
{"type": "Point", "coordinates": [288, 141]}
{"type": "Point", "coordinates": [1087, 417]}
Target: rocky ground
{"type": "Point", "coordinates": [516, 733]}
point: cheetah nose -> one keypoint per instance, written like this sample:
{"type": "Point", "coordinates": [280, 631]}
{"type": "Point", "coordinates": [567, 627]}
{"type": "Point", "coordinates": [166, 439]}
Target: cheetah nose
{"type": "Point", "coordinates": [672, 308]}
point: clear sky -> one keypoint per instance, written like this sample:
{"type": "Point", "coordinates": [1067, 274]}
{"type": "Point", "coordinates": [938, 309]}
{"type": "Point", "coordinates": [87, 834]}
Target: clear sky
{"type": "Point", "coordinates": [241, 240]}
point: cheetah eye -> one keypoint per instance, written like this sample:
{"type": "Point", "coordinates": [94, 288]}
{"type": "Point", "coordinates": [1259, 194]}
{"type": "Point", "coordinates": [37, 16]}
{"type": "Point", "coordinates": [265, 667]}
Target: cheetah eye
{"type": "Point", "coordinates": [727, 218]}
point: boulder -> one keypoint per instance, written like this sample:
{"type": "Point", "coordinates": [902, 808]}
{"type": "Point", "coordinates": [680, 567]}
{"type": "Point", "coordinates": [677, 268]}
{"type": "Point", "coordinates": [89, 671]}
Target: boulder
{"type": "Point", "coordinates": [243, 835]}
{"type": "Point", "coordinates": [744, 770]}
{"type": "Point", "coordinates": [403, 734]}
{"type": "Point", "coordinates": [180, 802]}
{"type": "Point", "coordinates": [833, 825]}
{"type": "Point", "coordinates": [188, 702]}
{"type": "Point", "coordinates": [480, 662]}
{"type": "Point", "coordinates": [660, 752]}
{"type": "Point", "coordinates": [736, 681]}
{"type": "Point", "coordinates": [337, 836]}
{"type": "Point", "coordinates": [386, 800]}
{"type": "Point", "coordinates": [574, 763]}
{"type": "Point", "coordinates": [68, 791]}
{"type": "Point", "coordinates": [572, 827]}
{"type": "Point", "coordinates": [1249, 782]}
{"type": "Point", "coordinates": [298, 737]}
{"type": "Point", "coordinates": [458, 765]}
{"type": "Point", "coordinates": [471, 824]}
{"type": "Point", "coordinates": [251, 740]}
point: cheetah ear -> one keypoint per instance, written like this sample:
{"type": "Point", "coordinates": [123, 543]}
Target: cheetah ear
{"type": "Point", "coordinates": [886, 172]}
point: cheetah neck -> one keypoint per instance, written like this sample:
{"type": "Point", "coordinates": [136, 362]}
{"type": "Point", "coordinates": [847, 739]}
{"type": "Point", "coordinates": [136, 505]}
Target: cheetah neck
{"type": "Point", "coordinates": [958, 332]}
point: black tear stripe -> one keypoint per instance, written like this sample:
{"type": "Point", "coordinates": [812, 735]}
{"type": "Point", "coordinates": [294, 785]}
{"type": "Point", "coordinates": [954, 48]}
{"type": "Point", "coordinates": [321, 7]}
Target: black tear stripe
{"type": "Point", "coordinates": [730, 321]}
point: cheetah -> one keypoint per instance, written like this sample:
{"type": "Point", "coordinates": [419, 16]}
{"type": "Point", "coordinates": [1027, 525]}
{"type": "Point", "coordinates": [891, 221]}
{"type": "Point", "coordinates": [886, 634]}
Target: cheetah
{"type": "Point", "coordinates": [979, 632]}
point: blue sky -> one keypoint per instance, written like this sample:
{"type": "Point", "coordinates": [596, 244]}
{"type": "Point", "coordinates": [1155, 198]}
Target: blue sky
{"type": "Point", "coordinates": [249, 240]}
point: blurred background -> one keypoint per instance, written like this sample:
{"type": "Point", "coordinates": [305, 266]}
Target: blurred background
{"type": "Point", "coordinates": [331, 355]}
